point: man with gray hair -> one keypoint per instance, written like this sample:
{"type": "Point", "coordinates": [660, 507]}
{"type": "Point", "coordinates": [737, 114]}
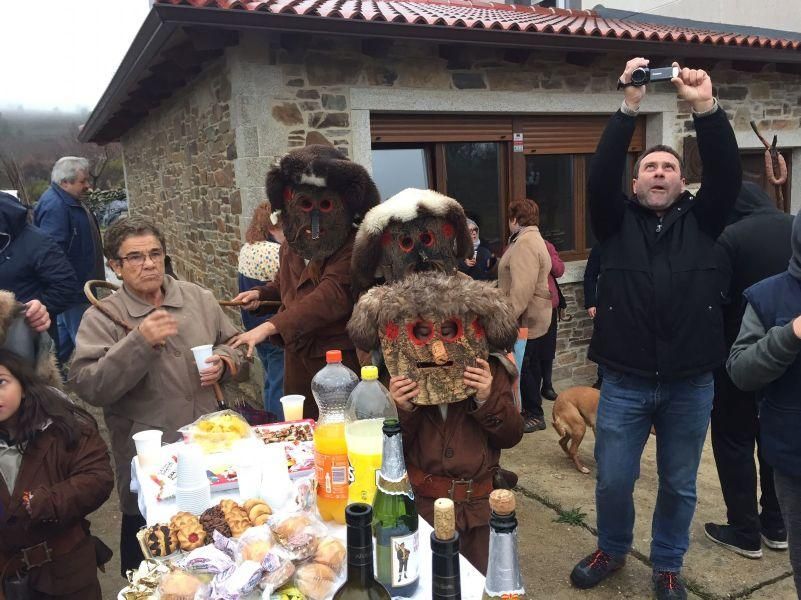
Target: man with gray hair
{"type": "Point", "coordinates": [61, 215]}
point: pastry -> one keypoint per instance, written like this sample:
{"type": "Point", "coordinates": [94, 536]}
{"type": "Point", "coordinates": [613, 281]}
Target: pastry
{"type": "Point", "coordinates": [258, 511]}
{"type": "Point", "coordinates": [297, 535]}
{"type": "Point", "coordinates": [213, 518]}
{"type": "Point", "coordinates": [160, 540]}
{"type": "Point", "coordinates": [188, 531]}
{"type": "Point", "coordinates": [178, 585]}
{"type": "Point", "coordinates": [315, 580]}
{"type": "Point", "coordinates": [332, 553]}
{"type": "Point", "coordinates": [235, 516]}
{"type": "Point", "coordinates": [256, 550]}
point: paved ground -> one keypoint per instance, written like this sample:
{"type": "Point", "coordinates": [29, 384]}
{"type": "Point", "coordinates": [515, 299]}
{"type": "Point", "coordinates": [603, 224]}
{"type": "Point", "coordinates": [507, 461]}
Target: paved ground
{"type": "Point", "coordinates": [549, 487]}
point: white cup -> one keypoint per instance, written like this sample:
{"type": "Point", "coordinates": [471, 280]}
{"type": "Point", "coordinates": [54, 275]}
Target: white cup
{"type": "Point", "coordinates": [201, 353]}
{"type": "Point", "coordinates": [195, 499]}
{"type": "Point", "coordinates": [248, 459]}
{"type": "Point", "coordinates": [276, 486]}
{"type": "Point", "coordinates": [191, 469]}
{"type": "Point", "coordinates": [148, 447]}
{"type": "Point", "coordinates": [293, 407]}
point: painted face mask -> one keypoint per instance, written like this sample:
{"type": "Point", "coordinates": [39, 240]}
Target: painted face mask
{"type": "Point", "coordinates": [419, 246]}
{"type": "Point", "coordinates": [315, 221]}
{"type": "Point", "coordinates": [430, 327]}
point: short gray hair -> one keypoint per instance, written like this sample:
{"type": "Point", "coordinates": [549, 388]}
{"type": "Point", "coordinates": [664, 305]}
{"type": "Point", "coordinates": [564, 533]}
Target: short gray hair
{"type": "Point", "coordinates": [67, 169]}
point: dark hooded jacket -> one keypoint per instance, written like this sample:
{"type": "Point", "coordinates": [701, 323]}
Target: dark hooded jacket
{"type": "Point", "coordinates": [31, 264]}
{"type": "Point", "coordinates": [754, 246]}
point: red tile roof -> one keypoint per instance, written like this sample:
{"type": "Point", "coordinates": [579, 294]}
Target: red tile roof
{"type": "Point", "coordinates": [497, 16]}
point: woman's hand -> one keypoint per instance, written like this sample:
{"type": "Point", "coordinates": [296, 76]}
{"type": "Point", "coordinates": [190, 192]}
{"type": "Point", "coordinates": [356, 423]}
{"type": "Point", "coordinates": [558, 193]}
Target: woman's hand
{"type": "Point", "coordinates": [402, 390]}
{"type": "Point", "coordinates": [158, 326]}
{"type": "Point", "coordinates": [212, 374]}
{"type": "Point", "coordinates": [255, 336]}
{"type": "Point", "coordinates": [249, 299]}
{"type": "Point", "coordinates": [37, 316]}
{"type": "Point", "coordinates": [480, 379]}
{"type": "Point", "coordinates": [470, 262]}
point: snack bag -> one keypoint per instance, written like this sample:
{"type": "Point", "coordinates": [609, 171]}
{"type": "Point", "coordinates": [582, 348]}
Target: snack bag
{"type": "Point", "coordinates": [217, 432]}
{"type": "Point", "coordinates": [298, 534]}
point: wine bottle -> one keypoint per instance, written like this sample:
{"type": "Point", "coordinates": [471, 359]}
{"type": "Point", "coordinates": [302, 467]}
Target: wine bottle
{"type": "Point", "coordinates": [395, 518]}
{"type": "Point", "coordinates": [503, 574]}
{"type": "Point", "coordinates": [361, 583]}
{"type": "Point", "coordinates": [445, 583]}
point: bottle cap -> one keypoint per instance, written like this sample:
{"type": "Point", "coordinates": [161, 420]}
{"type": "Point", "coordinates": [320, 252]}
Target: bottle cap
{"type": "Point", "coordinates": [358, 514]}
{"type": "Point", "coordinates": [502, 502]}
{"type": "Point", "coordinates": [444, 519]}
{"type": "Point", "coordinates": [369, 373]}
{"type": "Point", "coordinates": [333, 356]}
{"type": "Point", "coordinates": [391, 427]}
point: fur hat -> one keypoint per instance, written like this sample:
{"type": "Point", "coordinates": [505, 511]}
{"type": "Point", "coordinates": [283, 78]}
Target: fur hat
{"type": "Point", "coordinates": [437, 295]}
{"type": "Point", "coordinates": [324, 167]}
{"type": "Point", "coordinates": [403, 207]}
{"type": "Point", "coordinates": [16, 336]}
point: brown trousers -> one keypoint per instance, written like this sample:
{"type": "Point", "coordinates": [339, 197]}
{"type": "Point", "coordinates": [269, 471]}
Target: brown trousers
{"type": "Point", "coordinates": [298, 373]}
{"type": "Point", "coordinates": [473, 541]}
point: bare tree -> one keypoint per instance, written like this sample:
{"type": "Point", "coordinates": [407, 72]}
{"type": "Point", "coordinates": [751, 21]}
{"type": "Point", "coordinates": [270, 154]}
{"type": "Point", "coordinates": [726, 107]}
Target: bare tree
{"type": "Point", "coordinates": [14, 174]}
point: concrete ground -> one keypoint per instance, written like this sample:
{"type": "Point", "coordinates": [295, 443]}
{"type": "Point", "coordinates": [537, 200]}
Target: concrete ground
{"type": "Point", "coordinates": [550, 488]}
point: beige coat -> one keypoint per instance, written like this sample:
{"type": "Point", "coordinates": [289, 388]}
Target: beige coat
{"type": "Point", "coordinates": [523, 276]}
{"type": "Point", "coordinates": [140, 387]}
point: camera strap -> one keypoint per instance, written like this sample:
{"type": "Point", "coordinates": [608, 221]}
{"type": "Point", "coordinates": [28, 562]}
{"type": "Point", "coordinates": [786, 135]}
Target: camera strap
{"type": "Point", "coordinates": [621, 85]}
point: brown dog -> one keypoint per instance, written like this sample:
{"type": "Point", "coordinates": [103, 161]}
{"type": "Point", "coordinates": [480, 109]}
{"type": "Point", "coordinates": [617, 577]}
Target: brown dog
{"type": "Point", "coordinates": [573, 410]}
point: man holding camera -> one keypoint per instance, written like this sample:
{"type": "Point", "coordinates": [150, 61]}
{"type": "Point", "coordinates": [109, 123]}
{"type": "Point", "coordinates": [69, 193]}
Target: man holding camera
{"type": "Point", "coordinates": [658, 329]}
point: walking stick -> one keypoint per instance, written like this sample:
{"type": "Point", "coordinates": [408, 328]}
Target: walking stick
{"type": "Point", "coordinates": [774, 163]}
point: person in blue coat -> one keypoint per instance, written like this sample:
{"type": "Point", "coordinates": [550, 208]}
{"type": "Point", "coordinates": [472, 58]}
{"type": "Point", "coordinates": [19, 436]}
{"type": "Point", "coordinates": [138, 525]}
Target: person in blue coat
{"type": "Point", "coordinates": [61, 215]}
{"type": "Point", "coordinates": [31, 264]}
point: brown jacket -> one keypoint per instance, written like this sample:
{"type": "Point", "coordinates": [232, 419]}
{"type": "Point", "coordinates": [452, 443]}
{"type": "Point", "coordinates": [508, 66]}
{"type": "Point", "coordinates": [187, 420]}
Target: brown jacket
{"type": "Point", "coordinates": [141, 387]}
{"type": "Point", "coordinates": [313, 315]}
{"type": "Point", "coordinates": [523, 276]}
{"type": "Point", "coordinates": [465, 446]}
{"type": "Point", "coordinates": [67, 484]}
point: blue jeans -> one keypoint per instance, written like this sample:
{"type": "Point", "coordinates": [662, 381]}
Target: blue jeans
{"type": "Point", "coordinates": [679, 411]}
{"type": "Point", "coordinates": [272, 359]}
{"type": "Point", "coordinates": [68, 323]}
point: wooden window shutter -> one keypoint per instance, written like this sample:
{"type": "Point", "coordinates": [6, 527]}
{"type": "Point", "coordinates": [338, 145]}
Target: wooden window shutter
{"type": "Point", "coordinates": [571, 134]}
{"type": "Point", "coordinates": [412, 128]}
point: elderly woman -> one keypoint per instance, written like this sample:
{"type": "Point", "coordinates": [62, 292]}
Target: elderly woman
{"type": "Point", "coordinates": [479, 266]}
{"type": "Point", "coordinates": [523, 275]}
{"type": "Point", "coordinates": [146, 378]}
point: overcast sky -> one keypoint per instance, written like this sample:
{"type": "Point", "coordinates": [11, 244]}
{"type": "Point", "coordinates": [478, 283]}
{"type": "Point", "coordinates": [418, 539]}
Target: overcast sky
{"type": "Point", "coordinates": [63, 53]}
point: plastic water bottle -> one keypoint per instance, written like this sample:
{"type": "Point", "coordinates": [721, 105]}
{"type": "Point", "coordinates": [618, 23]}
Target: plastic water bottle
{"type": "Point", "coordinates": [331, 387]}
{"type": "Point", "coordinates": [369, 404]}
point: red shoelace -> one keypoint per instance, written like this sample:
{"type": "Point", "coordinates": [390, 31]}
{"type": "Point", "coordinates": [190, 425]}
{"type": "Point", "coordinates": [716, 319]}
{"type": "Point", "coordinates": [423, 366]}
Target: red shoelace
{"type": "Point", "coordinates": [599, 559]}
{"type": "Point", "coordinates": [669, 579]}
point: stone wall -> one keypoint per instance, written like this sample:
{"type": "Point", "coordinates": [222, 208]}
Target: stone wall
{"type": "Point", "coordinates": [571, 366]}
{"type": "Point", "coordinates": [180, 173]}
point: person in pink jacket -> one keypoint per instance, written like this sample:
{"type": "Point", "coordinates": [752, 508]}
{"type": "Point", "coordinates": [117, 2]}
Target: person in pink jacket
{"type": "Point", "coordinates": [549, 343]}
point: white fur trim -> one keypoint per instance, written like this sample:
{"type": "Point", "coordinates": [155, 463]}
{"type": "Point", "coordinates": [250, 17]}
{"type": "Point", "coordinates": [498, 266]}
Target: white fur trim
{"type": "Point", "coordinates": [404, 206]}
{"type": "Point", "coordinates": [274, 217]}
{"type": "Point", "coordinates": [312, 179]}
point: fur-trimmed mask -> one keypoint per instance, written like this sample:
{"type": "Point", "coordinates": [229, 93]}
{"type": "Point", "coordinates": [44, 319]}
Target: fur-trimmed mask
{"type": "Point", "coordinates": [415, 231]}
{"type": "Point", "coordinates": [430, 327]}
{"type": "Point", "coordinates": [321, 196]}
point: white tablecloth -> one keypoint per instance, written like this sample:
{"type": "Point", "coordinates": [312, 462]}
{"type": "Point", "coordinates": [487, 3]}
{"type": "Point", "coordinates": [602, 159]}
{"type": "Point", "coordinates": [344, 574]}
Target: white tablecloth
{"type": "Point", "coordinates": [156, 511]}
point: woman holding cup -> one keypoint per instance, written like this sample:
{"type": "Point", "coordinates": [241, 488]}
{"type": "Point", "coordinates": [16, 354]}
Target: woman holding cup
{"type": "Point", "coordinates": [147, 379]}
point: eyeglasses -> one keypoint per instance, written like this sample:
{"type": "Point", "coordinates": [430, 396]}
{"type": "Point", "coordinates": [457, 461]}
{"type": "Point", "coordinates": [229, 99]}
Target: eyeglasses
{"type": "Point", "coordinates": [137, 259]}
{"type": "Point", "coordinates": [473, 230]}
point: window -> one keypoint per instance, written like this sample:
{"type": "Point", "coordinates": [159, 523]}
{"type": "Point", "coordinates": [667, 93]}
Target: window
{"type": "Point", "coordinates": [395, 169]}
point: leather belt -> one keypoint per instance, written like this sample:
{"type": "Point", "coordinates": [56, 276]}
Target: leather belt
{"type": "Point", "coordinates": [458, 490]}
{"type": "Point", "coordinates": [42, 553]}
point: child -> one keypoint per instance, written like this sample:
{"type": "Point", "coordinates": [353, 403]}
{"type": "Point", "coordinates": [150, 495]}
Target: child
{"type": "Point", "coordinates": [54, 471]}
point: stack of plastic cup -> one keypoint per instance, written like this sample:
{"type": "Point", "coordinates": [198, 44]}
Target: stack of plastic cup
{"type": "Point", "coordinates": [276, 486]}
{"type": "Point", "coordinates": [193, 490]}
{"type": "Point", "coordinates": [248, 458]}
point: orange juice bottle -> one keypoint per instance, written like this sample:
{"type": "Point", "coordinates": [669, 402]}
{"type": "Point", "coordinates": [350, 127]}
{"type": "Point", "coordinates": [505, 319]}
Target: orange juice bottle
{"type": "Point", "coordinates": [331, 387]}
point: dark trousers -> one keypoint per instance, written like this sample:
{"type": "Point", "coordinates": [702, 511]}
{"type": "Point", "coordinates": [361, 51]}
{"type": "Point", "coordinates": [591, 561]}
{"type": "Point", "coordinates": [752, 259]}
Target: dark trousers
{"type": "Point", "coordinates": [735, 431]}
{"type": "Point", "coordinates": [788, 490]}
{"type": "Point", "coordinates": [531, 379]}
{"type": "Point", "coordinates": [130, 552]}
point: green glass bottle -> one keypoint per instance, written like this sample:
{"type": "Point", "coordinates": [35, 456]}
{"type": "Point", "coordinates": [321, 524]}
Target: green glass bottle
{"type": "Point", "coordinates": [361, 583]}
{"type": "Point", "coordinates": [395, 518]}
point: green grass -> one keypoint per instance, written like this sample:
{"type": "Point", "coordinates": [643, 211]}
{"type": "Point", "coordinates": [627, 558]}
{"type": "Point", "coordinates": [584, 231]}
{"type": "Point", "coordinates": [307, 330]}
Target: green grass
{"type": "Point", "coordinates": [574, 516]}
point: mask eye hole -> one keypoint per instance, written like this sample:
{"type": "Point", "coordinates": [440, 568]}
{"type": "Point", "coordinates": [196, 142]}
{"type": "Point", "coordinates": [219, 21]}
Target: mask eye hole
{"type": "Point", "coordinates": [326, 205]}
{"type": "Point", "coordinates": [427, 239]}
{"type": "Point", "coordinates": [406, 243]}
{"type": "Point", "coordinates": [305, 204]}
{"type": "Point", "coordinates": [451, 329]}
{"type": "Point", "coordinates": [420, 332]}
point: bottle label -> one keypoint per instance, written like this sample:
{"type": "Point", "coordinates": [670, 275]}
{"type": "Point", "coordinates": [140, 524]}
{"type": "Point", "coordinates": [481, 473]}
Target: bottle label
{"type": "Point", "coordinates": [445, 587]}
{"type": "Point", "coordinates": [332, 475]}
{"type": "Point", "coordinates": [514, 595]}
{"type": "Point", "coordinates": [405, 556]}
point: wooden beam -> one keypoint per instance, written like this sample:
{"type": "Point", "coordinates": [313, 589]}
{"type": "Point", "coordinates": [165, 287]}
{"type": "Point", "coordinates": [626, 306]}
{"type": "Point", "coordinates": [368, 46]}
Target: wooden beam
{"type": "Point", "coordinates": [517, 56]}
{"type": "Point", "coordinates": [377, 47]}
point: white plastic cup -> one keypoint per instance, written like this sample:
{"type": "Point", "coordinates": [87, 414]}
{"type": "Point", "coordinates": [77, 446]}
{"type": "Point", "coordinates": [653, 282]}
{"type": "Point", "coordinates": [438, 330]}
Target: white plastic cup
{"type": "Point", "coordinates": [194, 500]}
{"type": "Point", "coordinates": [148, 447]}
{"type": "Point", "coordinates": [248, 459]}
{"type": "Point", "coordinates": [293, 406]}
{"type": "Point", "coordinates": [276, 486]}
{"type": "Point", "coordinates": [191, 469]}
{"type": "Point", "coordinates": [201, 353]}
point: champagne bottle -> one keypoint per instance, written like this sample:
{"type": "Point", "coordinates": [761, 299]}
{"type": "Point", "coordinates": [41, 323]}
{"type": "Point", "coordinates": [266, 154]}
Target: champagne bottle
{"type": "Point", "coordinates": [361, 583]}
{"type": "Point", "coordinates": [445, 583]}
{"type": "Point", "coordinates": [503, 574]}
{"type": "Point", "coordinates": [395, 518]}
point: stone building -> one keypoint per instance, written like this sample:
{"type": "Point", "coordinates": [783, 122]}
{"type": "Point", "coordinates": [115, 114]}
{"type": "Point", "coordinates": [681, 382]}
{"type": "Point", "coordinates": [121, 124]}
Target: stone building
{"type": "Point", "coordinates": [485, 102]}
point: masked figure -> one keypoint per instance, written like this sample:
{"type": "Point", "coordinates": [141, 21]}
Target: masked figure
{"type": "Point", "coordinates": [321, 197]}
{"type": "Point", "coordinates": [415, 231]}
{"type": "Point", "coordinates": [430, 327]}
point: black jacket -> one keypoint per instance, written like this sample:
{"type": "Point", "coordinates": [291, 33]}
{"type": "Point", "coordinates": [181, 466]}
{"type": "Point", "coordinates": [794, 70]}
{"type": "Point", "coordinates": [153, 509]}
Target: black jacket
{"type": "Point", "coordinates": [659, 312]}
{"type": "Point", "coordinates": [31, 264]}
{"type": "Point", "coordinates": [591, 273]}
{"type": "Point", "coordinates": [754, 246]}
